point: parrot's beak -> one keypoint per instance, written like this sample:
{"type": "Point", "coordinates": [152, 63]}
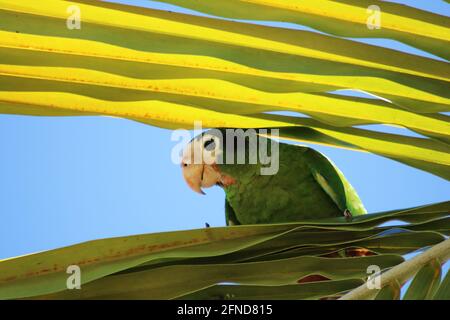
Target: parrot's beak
{"type": "Point", "coordinates": [193, 175]}
{"type": "Point", "coordinates": [200, 173]}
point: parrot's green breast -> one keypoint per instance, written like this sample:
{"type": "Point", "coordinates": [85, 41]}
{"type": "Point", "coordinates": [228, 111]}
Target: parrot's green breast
{"type": "Point", "coordinates": [306, 186]}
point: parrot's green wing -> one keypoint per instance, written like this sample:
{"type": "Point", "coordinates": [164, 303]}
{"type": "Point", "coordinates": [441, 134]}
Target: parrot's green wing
{"type": "Point", "coordinates": [334, 183]}
{"type": "Point", "coordinates": [230, 216]}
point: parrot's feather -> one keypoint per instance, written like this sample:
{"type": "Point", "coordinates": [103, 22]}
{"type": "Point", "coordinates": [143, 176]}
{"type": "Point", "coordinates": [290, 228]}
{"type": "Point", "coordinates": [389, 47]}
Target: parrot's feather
{"type": "Point", "coordinates": [333, 182]}
{"type": "Point", "coordinates": [230, 216]}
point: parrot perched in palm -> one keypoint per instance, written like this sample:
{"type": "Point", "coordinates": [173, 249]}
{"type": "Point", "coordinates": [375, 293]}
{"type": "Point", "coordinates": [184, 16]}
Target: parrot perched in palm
{"type": "Point", "coordinates": [307, 185]}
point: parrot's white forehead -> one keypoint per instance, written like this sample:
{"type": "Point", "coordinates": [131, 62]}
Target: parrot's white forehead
{"type": "Point", "coordinates": [207, 135]}
{"type": "Point", "coordinates": [204, 148]}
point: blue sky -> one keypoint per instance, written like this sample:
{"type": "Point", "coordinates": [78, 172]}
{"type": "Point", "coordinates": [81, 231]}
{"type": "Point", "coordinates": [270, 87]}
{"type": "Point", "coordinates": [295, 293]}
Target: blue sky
{"type": "Point", "coordinates": [68, 180]}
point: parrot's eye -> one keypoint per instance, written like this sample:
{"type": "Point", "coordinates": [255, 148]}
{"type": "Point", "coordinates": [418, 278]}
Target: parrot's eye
{"type": "Point", "coordinates": [209, 144]}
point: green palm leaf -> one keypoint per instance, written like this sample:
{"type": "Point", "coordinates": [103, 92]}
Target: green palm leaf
{"type": "Point", "coordinates": [176, 264]}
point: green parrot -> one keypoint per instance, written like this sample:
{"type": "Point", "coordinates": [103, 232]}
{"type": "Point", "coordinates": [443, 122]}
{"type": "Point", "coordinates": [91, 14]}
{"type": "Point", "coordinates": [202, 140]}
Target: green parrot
{"type": "Point", "coordinates": [300, 183]}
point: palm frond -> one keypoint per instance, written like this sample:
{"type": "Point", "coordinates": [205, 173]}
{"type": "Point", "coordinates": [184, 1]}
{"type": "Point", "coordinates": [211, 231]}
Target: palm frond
{"type": "Point", "coordinates": [262, 261]}
{"type": "Point", "coordinates": [169, 70]}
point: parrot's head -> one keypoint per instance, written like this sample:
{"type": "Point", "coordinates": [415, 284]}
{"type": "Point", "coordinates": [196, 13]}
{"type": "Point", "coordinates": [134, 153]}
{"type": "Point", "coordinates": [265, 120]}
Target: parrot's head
{"type": "Point", "coordinates": [199, 161]}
